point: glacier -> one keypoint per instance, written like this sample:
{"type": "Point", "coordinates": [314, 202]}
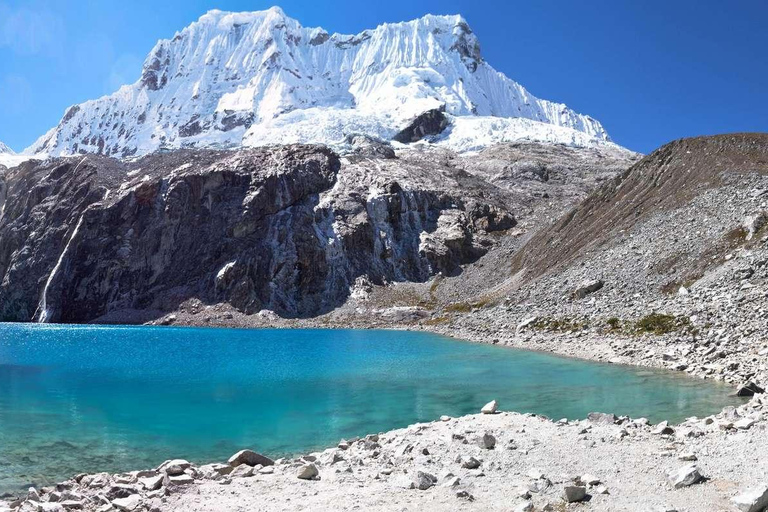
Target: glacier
{"type": "Point", "coordinates": [254, 78]}
{"type": "Point", "coordinates": [8, 158]}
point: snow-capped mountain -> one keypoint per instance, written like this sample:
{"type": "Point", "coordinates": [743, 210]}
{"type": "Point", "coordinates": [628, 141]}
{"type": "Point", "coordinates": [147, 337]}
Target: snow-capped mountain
{"type": "Point", "coordinates": [260, 77]}
{"type": "Point", "coordinates": [8, 158]}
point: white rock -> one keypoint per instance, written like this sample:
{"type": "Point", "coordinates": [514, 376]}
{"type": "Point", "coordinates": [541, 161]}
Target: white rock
{"type": "Point", "coordinates": [128, 504]}
{"type": "Point", "coordinates": [404, 482]}
{"type": "Point", "coordinates": [307, 472]}
{"type": "Point", "coordinates": [685, 476]}
{"type": "Point", "coordinates": [152, 483]}
{"type": "Point", "coordinates": [490, 407]}
{"type": "Point", "coordinates": [744, 424]}
{"type": "Point", "coordinates": [525, 323]}
{"type": "Point", "coordinates": [588, 479]}
{"type": "Point", "coordinates": [524, 507]}
{"type": "Point", "coordinates": [183, 479]}
{"type": "Point", "coordinates": [753, 500]}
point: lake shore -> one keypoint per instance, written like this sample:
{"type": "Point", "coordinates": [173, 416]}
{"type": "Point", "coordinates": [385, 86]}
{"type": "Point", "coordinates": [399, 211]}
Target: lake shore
{"type": "Point", "coordinates": [503, 461]}
{"type": "Point", "coordinates": [669, 351]}
{"type": "Point", "coordinates": [619, 464]}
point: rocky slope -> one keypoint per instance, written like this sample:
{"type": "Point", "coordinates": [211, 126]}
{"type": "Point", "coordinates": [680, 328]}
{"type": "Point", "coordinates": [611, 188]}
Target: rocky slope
{"type": "Point", "coordinates": [291, 229]}
{"type": "Point", "coordinates": [663, 265]}
{"type": "Point", "coordinates": [260, 77]}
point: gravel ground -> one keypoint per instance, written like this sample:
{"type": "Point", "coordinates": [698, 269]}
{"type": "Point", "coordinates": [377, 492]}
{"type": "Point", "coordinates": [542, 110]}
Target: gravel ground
{"type": "Point", "coordinates": [503, 461]}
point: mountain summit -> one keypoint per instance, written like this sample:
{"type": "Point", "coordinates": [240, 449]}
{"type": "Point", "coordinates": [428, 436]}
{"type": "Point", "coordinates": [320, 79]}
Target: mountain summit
{"type": "Point", "coordinates": [4, 149]}
{"type": "Point", "coordinates": [253, 78]}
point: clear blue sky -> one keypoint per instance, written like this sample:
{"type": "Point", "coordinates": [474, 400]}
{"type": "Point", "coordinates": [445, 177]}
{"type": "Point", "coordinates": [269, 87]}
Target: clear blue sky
{"type": "Point", "coordinates": [650, 71]}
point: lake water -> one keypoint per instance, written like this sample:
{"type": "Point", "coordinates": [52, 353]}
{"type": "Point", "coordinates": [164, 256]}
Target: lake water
{"type": "Point", "coordinates": [87, 399]}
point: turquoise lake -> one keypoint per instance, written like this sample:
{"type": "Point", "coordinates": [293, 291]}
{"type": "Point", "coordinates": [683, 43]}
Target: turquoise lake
{"type": "Point", "coordinates": [77, 399]}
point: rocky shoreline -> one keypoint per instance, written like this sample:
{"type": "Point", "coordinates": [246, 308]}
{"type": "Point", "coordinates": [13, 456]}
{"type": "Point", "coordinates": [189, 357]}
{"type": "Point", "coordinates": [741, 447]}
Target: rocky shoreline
{"type": "Point", "coordinates": [503, 461]}
{"type": "Point", "coordinates": [489, 461]}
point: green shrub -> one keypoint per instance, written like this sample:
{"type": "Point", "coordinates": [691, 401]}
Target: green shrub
{"type": "Point", "coordinates": [659, 323]}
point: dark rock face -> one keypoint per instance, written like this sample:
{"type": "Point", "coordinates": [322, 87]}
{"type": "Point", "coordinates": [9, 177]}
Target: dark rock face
{"type": "Point", "coordinates": [370, 147]}
{"type": "Point", "coordinates": [43, 204]}
{"type": "Point", "coordinates": [431, 122]}
{"type": "Point", "coordinates": [283, 228]}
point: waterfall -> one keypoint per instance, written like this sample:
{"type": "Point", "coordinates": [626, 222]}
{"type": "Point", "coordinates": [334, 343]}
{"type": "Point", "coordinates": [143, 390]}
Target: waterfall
{"type": "Point", "coordinates": [42, 308]}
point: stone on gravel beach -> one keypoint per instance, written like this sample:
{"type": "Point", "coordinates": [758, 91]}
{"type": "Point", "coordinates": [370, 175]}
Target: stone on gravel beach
{"type": "Point", "coordinates": [685, 477]}
{"type": "Point", "coordinates": [128, 504]}
{"type": "Point", "coordinates": [753, 500]}
{"type": "Point", "coordinates": [574, 493]}
{"type": "Point", "coordinates": [490, 407]}
{"type": "Point", "coordinates": [249, 458]}
{"type": "Point", "coordinates": [307, 472]}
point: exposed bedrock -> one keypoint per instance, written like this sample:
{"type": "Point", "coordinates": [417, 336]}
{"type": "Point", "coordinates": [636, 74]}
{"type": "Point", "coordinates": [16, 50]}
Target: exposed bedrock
{"type": "Point", "coordinates": [287, 229]}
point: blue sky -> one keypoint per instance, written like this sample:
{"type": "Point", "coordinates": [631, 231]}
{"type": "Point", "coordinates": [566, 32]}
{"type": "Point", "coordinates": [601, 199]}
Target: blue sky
{"type": "Point", "coordinates": [651, 71]}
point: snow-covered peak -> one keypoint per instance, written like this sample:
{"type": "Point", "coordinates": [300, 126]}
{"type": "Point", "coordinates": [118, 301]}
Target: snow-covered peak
{"type": "Point", "coordinates": [5, 150]}
{"type": "Point", "coordinates": [230, 79]}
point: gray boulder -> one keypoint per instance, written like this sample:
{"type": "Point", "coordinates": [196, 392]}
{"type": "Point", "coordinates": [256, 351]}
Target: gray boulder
{"type": "Point", "coordinates": [587, 287]}
{"type": "Point", "coordinates": [574, 493]}
{"type": "Point", "coordinates": [250, 458]}
{"type": "Point", "coordinates": [685, 477]}
{"type": "Point", "coordinates": [307, 472]}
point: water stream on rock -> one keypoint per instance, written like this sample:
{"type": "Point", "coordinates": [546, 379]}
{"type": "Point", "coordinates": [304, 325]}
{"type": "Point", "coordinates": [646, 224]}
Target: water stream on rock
{"type": "Point", "coordinates": [77, 399]}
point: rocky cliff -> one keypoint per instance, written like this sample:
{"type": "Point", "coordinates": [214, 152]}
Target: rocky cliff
{"type": "Point", "coordinates": [288, 229]}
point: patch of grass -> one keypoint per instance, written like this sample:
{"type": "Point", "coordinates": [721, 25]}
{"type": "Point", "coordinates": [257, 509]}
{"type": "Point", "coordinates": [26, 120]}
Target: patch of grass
{"type": "Point", "coordinates": [613, 323]}
{"type": "Point", "coordinates": [563, 324]}
{"type": "Point", "coordinates": [673, 287]}
{"type": "Point", "coordinates": [438, 320]}
{"type": "Point", "coordinates": [659, 323]}
{"type": "Point", "coordinates": [466, 307]}
{"type": "Point", "coordinates": [736, 236]}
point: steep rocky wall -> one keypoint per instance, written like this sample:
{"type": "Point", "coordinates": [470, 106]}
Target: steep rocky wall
{"type": "Point", "coordinates": [286, 228]}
